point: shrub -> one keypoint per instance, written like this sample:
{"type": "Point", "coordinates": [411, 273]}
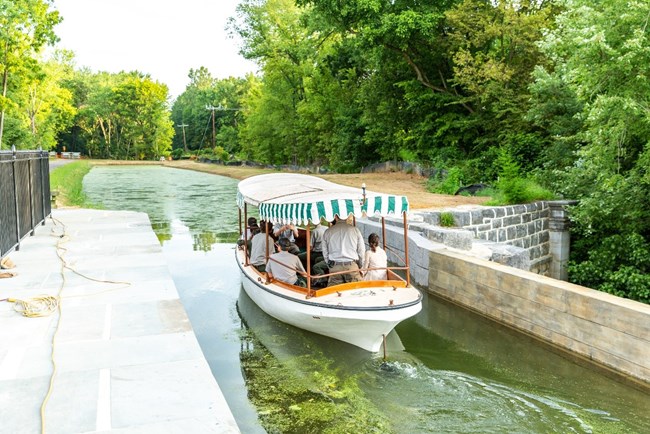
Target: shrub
{"type": "Point", "coordinates": [447, 219]}
{"type": "Point", "coordinates": [176, 154]}
{"type": "Point", "coordinates": [620, 265]}
{"type": "Point", "coordinates": [446, 184]}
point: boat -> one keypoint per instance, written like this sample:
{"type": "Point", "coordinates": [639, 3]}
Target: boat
{"type": "Point", "coordinates": [360, 313]}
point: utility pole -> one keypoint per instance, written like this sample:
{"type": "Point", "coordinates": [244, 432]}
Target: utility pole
{"type": "Point", "coordinates": [184, 142]}
{"type": "Point", "coordinates": [213, 108]}
{"type": "Point", "coordinates": [219, 108]}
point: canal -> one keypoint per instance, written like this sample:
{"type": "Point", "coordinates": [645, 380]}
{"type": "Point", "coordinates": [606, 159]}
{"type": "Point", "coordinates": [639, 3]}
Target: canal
{"type": "Point", "coordinates": [448, 370]}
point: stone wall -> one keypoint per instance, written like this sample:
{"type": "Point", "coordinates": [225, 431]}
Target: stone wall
{"type": "Point", "coordinates": [523, 227]}
{"type": "Point", "coordinates": [611, 332]}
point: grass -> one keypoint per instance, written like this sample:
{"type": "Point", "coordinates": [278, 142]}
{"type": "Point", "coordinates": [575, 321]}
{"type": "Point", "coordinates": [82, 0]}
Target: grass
{"type": "Point", "coordinates": [447, 219]}
{"type": "Point", "coordinates": [67, 182]}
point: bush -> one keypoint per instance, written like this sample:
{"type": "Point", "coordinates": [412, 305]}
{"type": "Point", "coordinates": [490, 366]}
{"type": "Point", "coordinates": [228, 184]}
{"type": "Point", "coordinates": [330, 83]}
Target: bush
{"type": "Point", "coordinates": [446, 184]}
{"type": "Point", "coordinates": [517, 190]}
{"type": "Point", "coordinates": [447, 220]}
{"type": "Point", "coordinates": [176, 154]}
{"type": "Point", "coordinates": [620, 265]}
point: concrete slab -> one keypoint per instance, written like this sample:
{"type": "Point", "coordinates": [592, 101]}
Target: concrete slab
{"type": "Point", "coordinates": [123, 353]}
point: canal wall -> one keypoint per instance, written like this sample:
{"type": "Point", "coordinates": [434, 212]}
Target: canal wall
{"type": "Point", "coordinates": [611, 332]}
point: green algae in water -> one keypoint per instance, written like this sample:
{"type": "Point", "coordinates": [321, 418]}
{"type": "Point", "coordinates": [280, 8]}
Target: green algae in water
{"type": "Point", "coordinates": [304, 394]}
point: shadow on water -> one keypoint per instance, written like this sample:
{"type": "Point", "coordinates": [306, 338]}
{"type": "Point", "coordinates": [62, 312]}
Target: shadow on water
{"type": "Point", "coordinates": [448, 371]}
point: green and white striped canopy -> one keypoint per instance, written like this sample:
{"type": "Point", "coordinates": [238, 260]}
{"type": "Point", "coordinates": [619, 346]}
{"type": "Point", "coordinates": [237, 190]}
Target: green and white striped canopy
{"type": "Point", "coordinates": [298, 199]}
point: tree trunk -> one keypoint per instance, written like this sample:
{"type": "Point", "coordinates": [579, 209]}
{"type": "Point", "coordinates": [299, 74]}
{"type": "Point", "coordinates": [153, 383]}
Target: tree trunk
{"type": "Point", "coordinates": [5, 77]}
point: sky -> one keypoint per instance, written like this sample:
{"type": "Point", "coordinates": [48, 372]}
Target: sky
{"type": "Point", "coordinates": [162, 38]}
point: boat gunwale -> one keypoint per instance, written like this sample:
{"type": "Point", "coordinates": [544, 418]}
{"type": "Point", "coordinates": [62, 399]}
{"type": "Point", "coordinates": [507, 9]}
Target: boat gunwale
{"type": "Point", "coordinates": [307, 302]}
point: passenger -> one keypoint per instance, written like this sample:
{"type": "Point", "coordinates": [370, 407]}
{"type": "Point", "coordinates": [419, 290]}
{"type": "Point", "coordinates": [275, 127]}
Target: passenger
{"type": "Point", "coordinates": [315, 243]}
{"type": "Point", "coordinates": [289, 231]}
{"type": "Point", "coordinates": [258, 247]}
{"type": "Point", "coordinates": [248, 232]}
{"type": "Point", "coordinates": [375, 257]}
{"type": "Point", "coordinates": [343, 249]}
{"type": "Point", "coordinates": [287, 265]}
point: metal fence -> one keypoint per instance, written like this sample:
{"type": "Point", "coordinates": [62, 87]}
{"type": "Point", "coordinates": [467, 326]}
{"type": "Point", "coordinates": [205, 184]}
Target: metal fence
{"type": "Point", "coordinates": [24, 196]}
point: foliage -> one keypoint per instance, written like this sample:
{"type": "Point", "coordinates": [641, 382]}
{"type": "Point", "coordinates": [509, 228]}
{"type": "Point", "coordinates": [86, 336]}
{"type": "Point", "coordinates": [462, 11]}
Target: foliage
{"type": "Point", "coordinates": [67, 181]}
{"type": "Point", "coordinates": [446, 182]}
{"type": "Point", "coordinates": [26, 26]}
{"type": "Point", "coordinates": [601, 53]}
{"type": "Point", "coordinates": [447, 219]}
{"type": "Point", "coordinates": [205, 100]}
{"type": "Point", "coordinates": [120, 116]}
{"type": "Point", "coordinates": [620, 265]}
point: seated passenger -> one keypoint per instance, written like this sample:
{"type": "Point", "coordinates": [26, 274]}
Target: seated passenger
{"type": "Point", "coordinates": [248, 232]}
{"type": "Point", "coordinates": [288, 231]}
{"type": "Point", "coordinates": [375, 257]}
{"type": "Point", "coordinates": [315, 243]}
{"type": "Point", "coordinates": [258, 247]}
{"type": "Point", "coordinates": [284, 265]}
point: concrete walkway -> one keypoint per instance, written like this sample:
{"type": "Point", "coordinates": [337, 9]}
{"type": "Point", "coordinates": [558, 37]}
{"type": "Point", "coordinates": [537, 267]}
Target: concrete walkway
{"type": "Point", "coordinates": [126, 357]}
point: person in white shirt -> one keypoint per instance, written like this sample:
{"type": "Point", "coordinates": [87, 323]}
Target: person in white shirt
{"type": "Point", "coordinates": [375, 257]}
{"type": "Point", "coordinates": [343, 250]}
{"type": "Point", "coordinates": [285, 266]}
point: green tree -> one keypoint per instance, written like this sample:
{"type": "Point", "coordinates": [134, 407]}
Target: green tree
{"type": "Point", "coordinates": [194, 108]}
{"type": "Point", "coordinates": [601, 54]}
{"type": "Point", "coordinates": [25, 27]}
{"type": "Point", "coordinates": [122, 116]}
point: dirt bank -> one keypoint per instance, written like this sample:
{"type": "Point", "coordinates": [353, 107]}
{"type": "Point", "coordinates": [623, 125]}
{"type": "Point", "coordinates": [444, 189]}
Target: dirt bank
{"type": "Point", "coordinates": [410, 185]}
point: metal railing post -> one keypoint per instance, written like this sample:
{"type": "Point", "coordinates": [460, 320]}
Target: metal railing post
{"type": "Point", "coordinates": [41, 164]}
{"type": "Point", "coordinates": [30, 189]}
{"type": "Point", "coordinates": [17, 210]}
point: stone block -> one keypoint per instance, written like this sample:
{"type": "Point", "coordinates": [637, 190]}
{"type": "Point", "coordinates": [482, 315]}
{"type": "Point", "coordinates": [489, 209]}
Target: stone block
{"type": "Point", "coordinates": [544, 237]}
{"type": "Point", "coordinates": [511, 256]}
{"type": "Point", "coordinates": [461, 218]}
{"type": "Point", "coordinates": [432, 218]}
{"type": "Point", "coordinates": [519, 209]}
{"type": "Point", "coordinates": [522, 231]}
{"type": "Point", "coordinates": [512, 220]}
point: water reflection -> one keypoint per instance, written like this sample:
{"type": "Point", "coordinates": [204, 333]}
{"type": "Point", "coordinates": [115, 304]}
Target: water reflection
{"type": "Point", "coordinates": [200, 202]}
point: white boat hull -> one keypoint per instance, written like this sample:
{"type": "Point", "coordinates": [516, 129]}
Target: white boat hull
{"type": "Point", "coordinates": [360, 317]}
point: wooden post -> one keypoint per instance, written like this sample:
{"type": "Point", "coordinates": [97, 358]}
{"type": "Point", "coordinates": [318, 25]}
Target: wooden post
{"type": "Point", "coordinates": [383, 231]}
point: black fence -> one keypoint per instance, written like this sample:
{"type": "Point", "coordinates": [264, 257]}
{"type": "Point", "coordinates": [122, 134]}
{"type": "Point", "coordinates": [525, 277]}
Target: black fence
{"type": "Point", "coordinates": [24, 196]}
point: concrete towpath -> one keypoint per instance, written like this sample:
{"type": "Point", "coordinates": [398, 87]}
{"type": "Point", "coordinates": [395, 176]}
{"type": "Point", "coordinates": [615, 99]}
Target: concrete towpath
{"type": "Point", "coordinates": [123, 353]}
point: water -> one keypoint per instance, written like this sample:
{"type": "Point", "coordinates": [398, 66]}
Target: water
{"type": "Point", "coordinates": [448, 369]}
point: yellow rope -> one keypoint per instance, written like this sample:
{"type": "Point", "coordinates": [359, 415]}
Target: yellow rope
{"type": "Point", "coordinates": [34, 307]}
